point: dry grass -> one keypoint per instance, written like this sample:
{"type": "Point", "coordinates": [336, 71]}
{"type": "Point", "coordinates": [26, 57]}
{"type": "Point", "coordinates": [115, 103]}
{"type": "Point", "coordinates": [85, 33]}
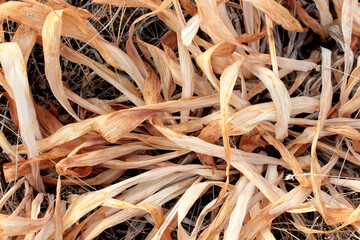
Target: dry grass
{"type": "Point", "coordinates": [184, 119]}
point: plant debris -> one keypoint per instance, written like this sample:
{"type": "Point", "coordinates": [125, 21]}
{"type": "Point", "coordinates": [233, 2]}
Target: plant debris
{"type": "Point", "coordinates": [184, 119]}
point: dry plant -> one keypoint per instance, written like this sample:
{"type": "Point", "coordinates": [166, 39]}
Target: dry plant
{"type": "Point", "coordinates": [202, 119]}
